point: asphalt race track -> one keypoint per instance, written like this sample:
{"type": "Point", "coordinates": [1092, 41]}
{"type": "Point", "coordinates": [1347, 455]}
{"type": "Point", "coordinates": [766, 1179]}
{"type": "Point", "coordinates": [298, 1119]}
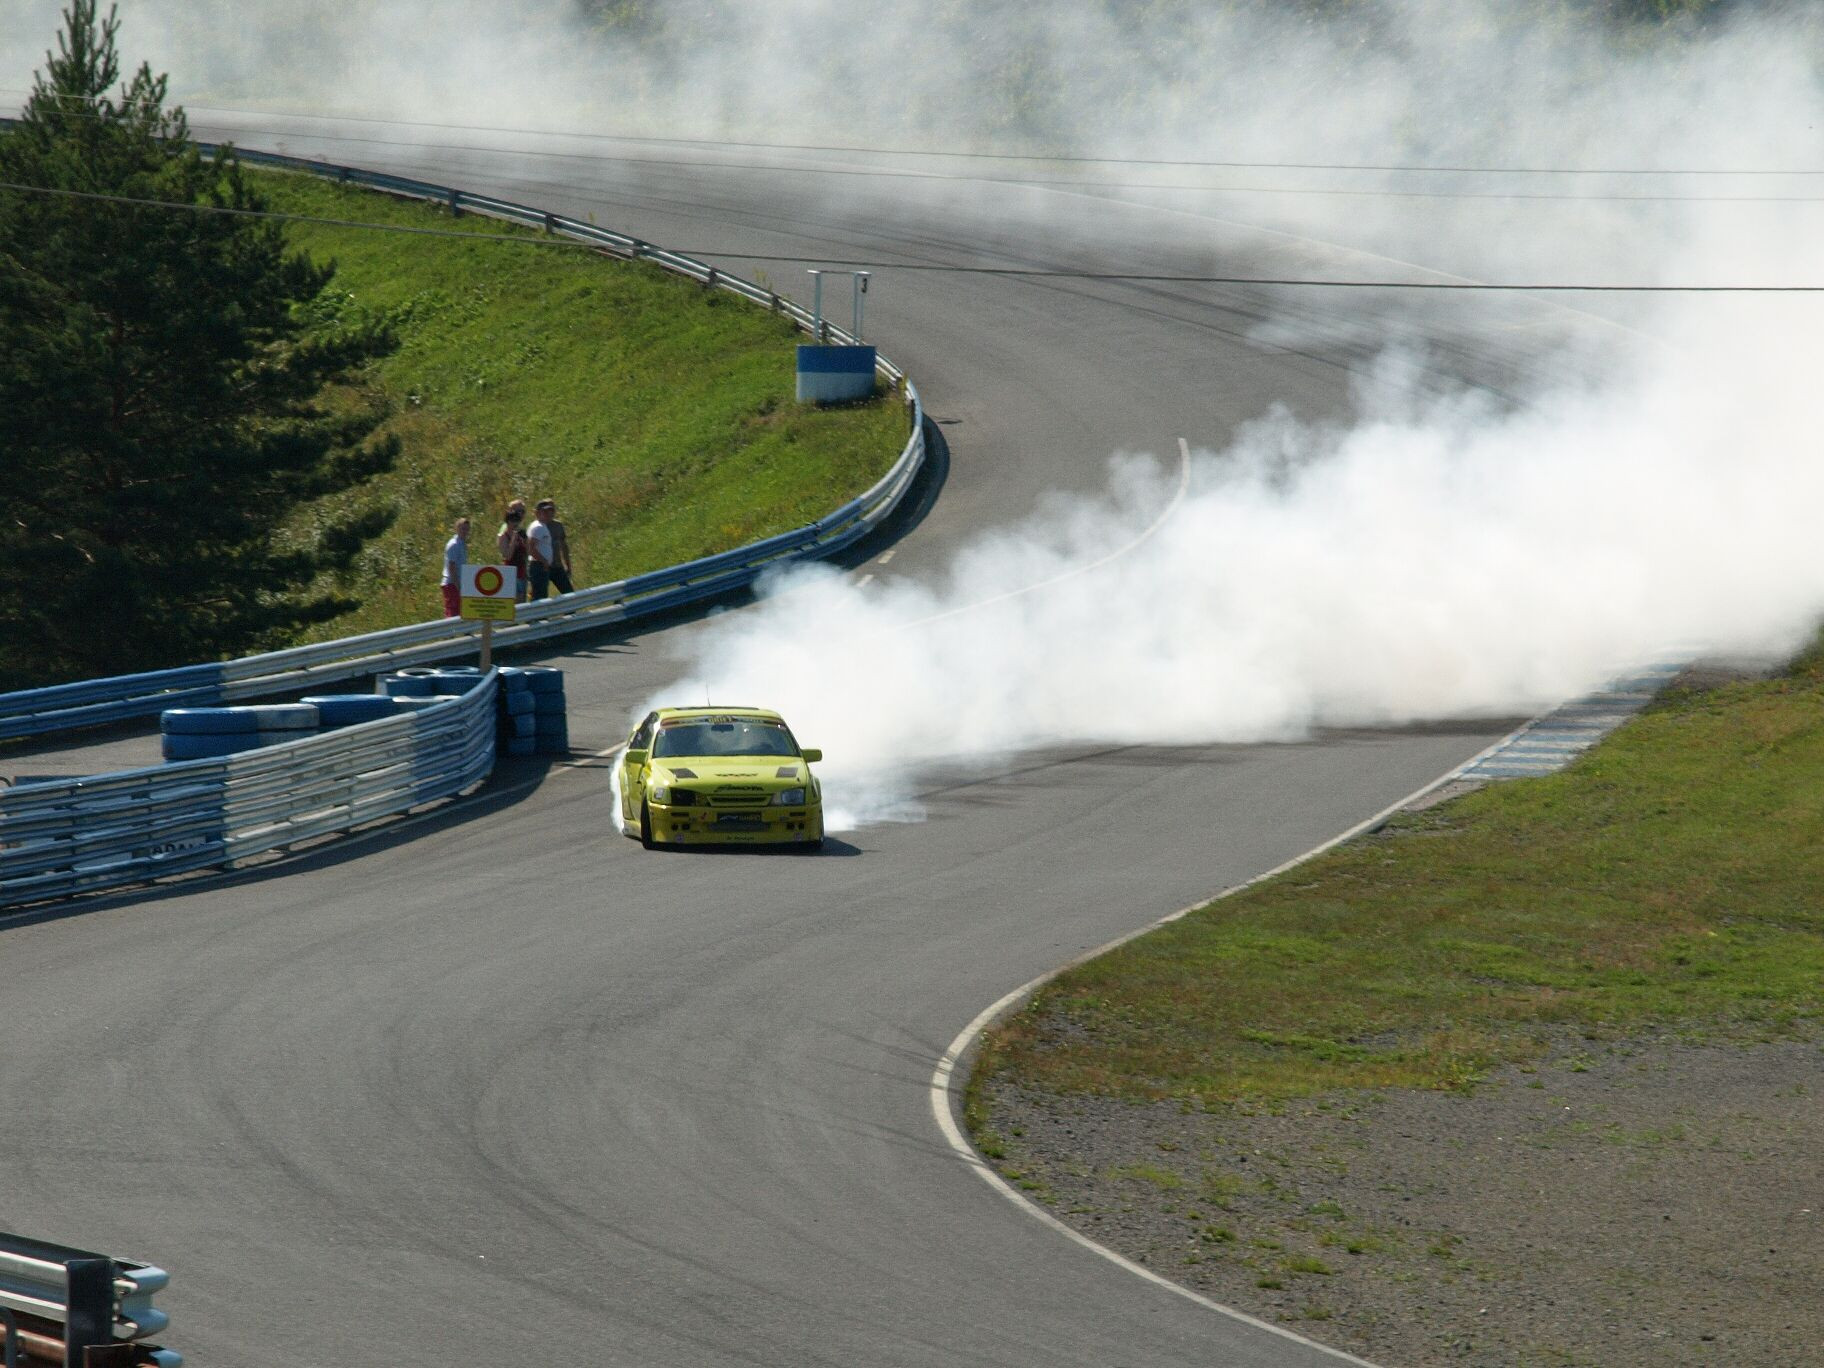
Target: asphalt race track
{"type": "Point", "coordinates": [505, 1088]}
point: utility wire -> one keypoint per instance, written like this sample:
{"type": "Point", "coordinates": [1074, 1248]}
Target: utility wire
{"type": "Point", "coordinates": [935, 268]}
{"type": "Point", "coordinates": [956, 153]}
{"type": "Point", "coordinates": [1082, 183]}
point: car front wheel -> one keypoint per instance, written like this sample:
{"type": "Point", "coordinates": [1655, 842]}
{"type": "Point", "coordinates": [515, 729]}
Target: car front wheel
{"type": "Point", "coordinates": [646, 826]}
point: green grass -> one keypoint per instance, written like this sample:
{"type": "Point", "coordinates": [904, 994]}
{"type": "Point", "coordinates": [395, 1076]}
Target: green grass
{"type": "Point", "coordinates": [1673, 878]}
{"type": "Point", "coordinates": [658, 414]}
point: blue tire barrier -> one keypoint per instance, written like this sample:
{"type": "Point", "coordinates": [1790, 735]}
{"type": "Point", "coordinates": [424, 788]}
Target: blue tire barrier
{"type": "Point", "coordinates": [409, 686]}
{"type": "Point", "coordinates": [545, 679]}
{"type": "Point", "coordinates": [206, 721]}
{"type": "Point", "coordinates": [548, 704]}
{"type": "Point", "coordinates": [417, 704]}
{"type": "Point", "coordinates": [207, 745]}
{"type": "Point", "coordinates": [268, 717]}
{"type": "Point", "coordinates": [513, 680]}
{"type": "Point", "coordinates": [518, 704]}
{"type": "Point", "coordinates": [547, 744]}
{"type": "Point", "coordinates": [348, 710]}
{"type": "Point", "coordinates": [286, 716]}
{"type": "Point", "coordinates": [520, 745]}
{"type": "Point", "coordinates": [418, 670]}
{"type": "Point", "coordinates": [524, 725]}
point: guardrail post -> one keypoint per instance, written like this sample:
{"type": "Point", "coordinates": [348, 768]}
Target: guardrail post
{"type": "Point", "coordinates": [775, 304]}
{"type": "Point", "coordinates": [10, 1325]}
{"type": "Point", "coordinates": [90, 1322]}
{"type": "Point", "coordinates": [638, 250]}
{"type": "Point", "coordinates": [455, 204]}
{"type": "Point", "coordinates": [550, 223]}
{"type": "Point", "coordinates": [709, 282]}
{"type": "Point", "coordinates": [342, 174]}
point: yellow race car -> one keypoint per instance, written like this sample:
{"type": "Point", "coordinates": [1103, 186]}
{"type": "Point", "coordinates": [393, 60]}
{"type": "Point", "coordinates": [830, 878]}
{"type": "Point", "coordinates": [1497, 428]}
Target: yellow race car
{"type": "Point", "coordinates": [719, 776]}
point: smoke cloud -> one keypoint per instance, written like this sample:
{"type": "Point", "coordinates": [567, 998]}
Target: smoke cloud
{"type": "Point", "coordinates": [1439, 557]}
{"type": "Point", "coordinates": [1446, 551]}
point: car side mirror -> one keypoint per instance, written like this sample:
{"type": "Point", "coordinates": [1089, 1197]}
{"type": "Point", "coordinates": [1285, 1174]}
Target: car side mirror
{"type": "Point", "coordinates": [636, 757]}
{"type": "Point", "coordinates": [811, 755]}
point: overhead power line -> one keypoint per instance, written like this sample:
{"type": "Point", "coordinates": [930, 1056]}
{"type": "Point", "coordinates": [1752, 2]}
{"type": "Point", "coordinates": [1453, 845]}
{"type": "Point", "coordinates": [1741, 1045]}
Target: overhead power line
{"type": "Point", "coordinates": [861, 149]}
{"type": "Point", "coordinates": [937, 268]}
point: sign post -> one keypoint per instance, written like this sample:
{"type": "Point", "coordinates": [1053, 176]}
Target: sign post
{"type": "Point", "coordinates": [489, 595]}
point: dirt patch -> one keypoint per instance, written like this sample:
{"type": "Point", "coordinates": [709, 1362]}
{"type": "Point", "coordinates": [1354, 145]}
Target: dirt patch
{"type": "Point", "coordinates": [1653, 1202]}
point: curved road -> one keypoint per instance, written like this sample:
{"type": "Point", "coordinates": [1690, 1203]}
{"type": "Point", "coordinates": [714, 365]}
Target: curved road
{"type": "Point", "coordinates": [508, 1089]}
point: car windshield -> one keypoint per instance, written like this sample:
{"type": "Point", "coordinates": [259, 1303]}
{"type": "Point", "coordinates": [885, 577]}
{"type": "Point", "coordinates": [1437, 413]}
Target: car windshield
{"type": "Point", "coordinates": [723, 737]}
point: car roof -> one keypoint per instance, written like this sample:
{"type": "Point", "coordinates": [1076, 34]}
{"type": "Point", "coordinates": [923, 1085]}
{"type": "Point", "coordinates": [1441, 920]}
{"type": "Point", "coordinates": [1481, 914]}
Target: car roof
{"type": "Point", "coordinates": [734, 710]}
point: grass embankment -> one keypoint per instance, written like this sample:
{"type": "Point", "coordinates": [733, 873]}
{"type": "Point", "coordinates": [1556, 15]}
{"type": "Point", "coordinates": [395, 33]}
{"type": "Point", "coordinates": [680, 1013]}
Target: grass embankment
{"type": "Point", "coordinates": [658, 414]}
{"type": "Point", "coordinates": [1672, 877]}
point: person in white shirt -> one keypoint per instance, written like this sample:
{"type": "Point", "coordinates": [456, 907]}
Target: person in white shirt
{"type": "Point", "coordinates": [455, 556]}
{"type": "Point", "coordinates": [541, 550]}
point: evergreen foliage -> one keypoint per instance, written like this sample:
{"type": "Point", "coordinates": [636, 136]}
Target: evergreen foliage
{"type": "Point", "coordinates": [160, 375]}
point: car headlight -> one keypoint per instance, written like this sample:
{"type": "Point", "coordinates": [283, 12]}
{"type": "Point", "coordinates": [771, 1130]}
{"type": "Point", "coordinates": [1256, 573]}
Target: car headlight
{"type": "Point", "coordinates": [789, 798]}
{"type": "Point", "coordinates": [659, 793]}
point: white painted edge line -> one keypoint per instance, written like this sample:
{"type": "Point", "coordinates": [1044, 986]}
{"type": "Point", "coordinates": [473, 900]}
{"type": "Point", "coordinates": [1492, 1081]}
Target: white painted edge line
{"type": "Point", "coordinates": [942, 1076]}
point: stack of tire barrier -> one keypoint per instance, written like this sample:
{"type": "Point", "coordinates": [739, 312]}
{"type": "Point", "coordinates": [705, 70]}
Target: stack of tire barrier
{"type": "Point", "coordinates": [350, 710]}
{"type": "Point", "coordinates": [198, 733]}
{"type": "Point", "coordinates": [421, 686]}
{"type": "Point", "coordinates": [532, 712]}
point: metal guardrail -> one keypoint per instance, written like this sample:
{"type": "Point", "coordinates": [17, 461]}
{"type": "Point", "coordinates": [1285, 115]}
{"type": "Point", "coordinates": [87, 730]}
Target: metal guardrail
{"type": "Point", "coordinates": [85, 834]}
{"type": "Point", "coordinates": [95, 702]}
{"type": "Point", "coordinates": [62, 1305]}
{"type": "Point", "coordinates": [82, 835]}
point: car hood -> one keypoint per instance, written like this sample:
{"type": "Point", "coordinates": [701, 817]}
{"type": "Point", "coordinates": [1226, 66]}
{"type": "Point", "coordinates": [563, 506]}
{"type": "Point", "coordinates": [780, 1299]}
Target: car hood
{"type": "Point", "coordinates": [774, 771]}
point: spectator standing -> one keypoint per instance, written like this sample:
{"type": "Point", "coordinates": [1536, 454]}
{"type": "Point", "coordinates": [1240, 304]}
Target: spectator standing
{"type": "Point", "coordinates": [538, 540]}
{"type": "Point", "coordinates": [455, 556]}
{"type": "Point", "coordinates": [513, 547]}
{"type": "Point", "coordinates": [557, 557]}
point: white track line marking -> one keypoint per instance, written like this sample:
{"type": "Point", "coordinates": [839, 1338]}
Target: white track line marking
{"type": "Point", "coordinates": [887, 556]}
{"type": "Point", "coordinates": [939, 1087]}
{"type": "Point", "coordinates": [863, 582]}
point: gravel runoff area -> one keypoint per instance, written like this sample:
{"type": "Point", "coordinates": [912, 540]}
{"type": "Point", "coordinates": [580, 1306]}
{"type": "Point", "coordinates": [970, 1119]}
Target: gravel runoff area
{"type": "Point", "coordinates": [1653, 1201]}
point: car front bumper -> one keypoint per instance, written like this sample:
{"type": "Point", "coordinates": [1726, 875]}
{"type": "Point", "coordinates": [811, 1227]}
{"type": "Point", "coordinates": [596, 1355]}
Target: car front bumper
{"type": "Point", "coordinates": [755, 826]}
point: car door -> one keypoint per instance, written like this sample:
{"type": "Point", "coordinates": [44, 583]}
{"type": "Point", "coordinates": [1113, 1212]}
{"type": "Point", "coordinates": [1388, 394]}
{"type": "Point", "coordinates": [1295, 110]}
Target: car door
{"type": "Point", "coordinates": [633, 776]}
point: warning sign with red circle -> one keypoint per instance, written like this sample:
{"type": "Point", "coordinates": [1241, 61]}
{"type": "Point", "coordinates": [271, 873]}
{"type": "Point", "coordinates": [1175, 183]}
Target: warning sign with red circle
{"type": "Point", "coordinates": [488, 592]}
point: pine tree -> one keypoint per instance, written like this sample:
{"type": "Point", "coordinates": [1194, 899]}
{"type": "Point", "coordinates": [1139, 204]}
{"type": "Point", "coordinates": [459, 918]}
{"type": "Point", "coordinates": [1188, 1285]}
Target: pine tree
{"type": "Point", "coordinates": [161, 374]}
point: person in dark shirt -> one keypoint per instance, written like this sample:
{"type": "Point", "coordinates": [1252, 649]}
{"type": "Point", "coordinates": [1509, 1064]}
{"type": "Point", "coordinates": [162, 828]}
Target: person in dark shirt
{"type": "Point", "coordinates": [512, 541]}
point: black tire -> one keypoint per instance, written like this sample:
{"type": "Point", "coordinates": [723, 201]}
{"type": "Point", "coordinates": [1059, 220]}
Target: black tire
{"type": "Point", "coordinates": [811, 847]}
{"type": "Point", "coordinates": [646, 827]}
